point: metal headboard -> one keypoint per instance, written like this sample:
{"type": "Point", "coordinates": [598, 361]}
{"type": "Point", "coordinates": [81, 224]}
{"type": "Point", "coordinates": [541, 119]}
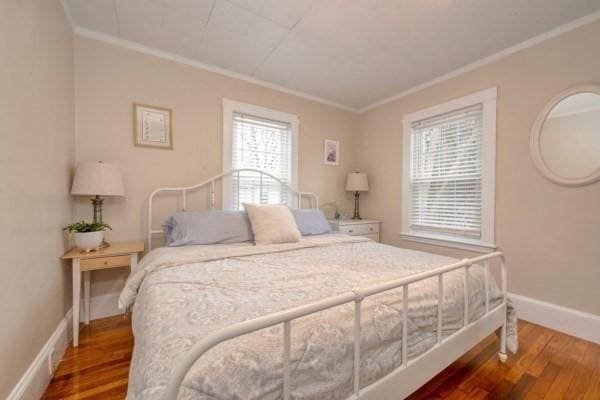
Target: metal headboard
{"type": "Point", "coordinates": [211, 182]}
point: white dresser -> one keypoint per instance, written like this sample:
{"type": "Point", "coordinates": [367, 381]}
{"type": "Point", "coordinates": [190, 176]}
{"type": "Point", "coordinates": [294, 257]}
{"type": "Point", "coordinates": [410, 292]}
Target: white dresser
{"type": "Point", "coordinates": [357, 227]}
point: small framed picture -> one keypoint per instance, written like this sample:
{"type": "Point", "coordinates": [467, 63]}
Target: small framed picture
{"type": "Point", "coordinates": [331, 152]}
{"type": "Point", "coordinates": [152, 126]}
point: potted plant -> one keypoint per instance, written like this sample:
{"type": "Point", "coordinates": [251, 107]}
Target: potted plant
{"type": "Point", "coordinates": [88, 235]}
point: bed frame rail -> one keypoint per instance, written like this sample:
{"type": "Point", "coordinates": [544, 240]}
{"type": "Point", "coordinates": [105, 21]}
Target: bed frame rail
{"type": "Point", "coordinates": [183, 191]}
{"type": "Point", "coordinates": [473, 330]}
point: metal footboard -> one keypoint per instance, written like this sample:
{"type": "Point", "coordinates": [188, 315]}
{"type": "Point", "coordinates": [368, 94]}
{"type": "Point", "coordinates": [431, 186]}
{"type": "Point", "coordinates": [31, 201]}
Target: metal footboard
{"type": "Point", "coordinates": [356, 296]}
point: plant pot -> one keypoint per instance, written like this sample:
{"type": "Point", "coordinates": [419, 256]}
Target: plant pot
{"type": "Point", "coordinates": [89, 240]}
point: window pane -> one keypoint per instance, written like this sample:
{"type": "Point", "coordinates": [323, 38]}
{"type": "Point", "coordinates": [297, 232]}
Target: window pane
{"type": "Point", "coordinates": [446, 173]}
{"type": "Point", "coordinates": [265, 145]}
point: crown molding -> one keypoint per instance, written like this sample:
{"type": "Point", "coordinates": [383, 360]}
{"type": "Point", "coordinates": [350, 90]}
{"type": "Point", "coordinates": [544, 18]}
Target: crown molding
{"type": "Point", "coordinates": [102, 37]}
{"type": "Point", "coordinates": [83, 32]}
{"type": "Point", "coordinates": [68, 14]}
{"type": "Point", "coordinates": [489, 59]}
{"type": "Point", "coordinates": [90, 34]}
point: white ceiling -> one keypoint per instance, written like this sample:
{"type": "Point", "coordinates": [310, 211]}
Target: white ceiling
{"type": "Point", "coordinates": [350, 52]}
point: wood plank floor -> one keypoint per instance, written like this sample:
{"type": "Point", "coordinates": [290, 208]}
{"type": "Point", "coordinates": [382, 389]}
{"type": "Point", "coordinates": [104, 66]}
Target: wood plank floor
{"type": "Point", "coordinates": [548, 365]}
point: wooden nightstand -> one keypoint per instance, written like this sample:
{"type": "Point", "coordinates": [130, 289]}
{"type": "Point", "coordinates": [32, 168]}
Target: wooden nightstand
{"type": "Point", "coordinates": [117, 255]}
{"type": "Point", "coordinates": [357, 227]}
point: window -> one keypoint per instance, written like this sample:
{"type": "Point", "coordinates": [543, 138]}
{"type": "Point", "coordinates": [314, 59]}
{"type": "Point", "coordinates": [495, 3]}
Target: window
{"type": "Point", "coordinates": [263, 139]}
{"type": "Point", "coordinates": [449, 173]}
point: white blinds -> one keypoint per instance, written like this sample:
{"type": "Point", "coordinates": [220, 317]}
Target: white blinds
{"type": "Point", "coordinates": [265, 145]}
{"type": "Point", "coordinates": [446, 173]}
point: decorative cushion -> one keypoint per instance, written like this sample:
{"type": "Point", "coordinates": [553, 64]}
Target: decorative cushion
{"type": "Point", "coordinates": [272, 223]}
{"type": "Point", "coordinates": [207, 227]}
{"type": "Point", "coordinates": [311, 221]}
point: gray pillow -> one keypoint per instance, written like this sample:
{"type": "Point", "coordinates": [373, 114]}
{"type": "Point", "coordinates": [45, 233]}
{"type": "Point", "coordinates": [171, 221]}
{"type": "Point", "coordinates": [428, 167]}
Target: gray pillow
{"type": "Point", "coordinates": [311, 222]}
{"type": "Point", "coordinates": [207, 227]}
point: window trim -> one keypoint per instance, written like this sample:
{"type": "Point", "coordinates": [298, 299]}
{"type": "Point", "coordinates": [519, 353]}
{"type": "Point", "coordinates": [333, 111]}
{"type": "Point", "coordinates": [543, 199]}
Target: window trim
{"type": "Point", "coordinates": [488, 99]}
{"type": "Point", "coordinates": [229, 108]}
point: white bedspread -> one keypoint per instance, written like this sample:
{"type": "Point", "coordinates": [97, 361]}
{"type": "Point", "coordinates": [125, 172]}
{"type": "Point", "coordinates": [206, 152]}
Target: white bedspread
{"type": "Point", "coordinates": [182, 294]}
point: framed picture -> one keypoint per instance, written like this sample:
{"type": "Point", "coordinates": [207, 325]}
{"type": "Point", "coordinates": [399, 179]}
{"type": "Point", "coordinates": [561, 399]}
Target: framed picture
{"type": "Point", "coordinates": [331, 152]}
{"type": "Point", "coordinates": [152, 126]}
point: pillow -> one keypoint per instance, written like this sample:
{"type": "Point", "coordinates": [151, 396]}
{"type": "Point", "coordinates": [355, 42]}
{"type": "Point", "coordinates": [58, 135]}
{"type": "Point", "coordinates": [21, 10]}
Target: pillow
{"type": "Point", "coordinates": [207, 227]}
{"type": "Point", "coordinates": [311, 222]}
{"type": "Point", "coordinates": [272, 223]}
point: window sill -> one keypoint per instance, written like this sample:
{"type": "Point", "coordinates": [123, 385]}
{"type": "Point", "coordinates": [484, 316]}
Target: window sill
{"type": "Point", "coordinates": [452, 243]}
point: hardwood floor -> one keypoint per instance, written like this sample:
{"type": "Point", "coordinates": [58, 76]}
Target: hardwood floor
{"type": "Point", "coordinates": [99, 367]}
{"type": "Point", "coordinates": [548, 365]}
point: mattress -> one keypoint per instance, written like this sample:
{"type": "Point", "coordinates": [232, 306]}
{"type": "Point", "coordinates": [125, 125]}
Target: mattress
{"type": "Point", "coordinates": [179, 295]}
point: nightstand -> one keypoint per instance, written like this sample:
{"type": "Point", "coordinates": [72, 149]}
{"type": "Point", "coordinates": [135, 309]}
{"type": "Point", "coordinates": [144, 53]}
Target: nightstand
{"type": "Point", "coordinates": [357, 227]}
{"type": "Point", "coordinates": [117, 255]}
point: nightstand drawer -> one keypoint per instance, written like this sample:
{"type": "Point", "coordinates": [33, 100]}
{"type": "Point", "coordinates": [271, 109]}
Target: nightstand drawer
{"type": "Point", "coordinates": [359, 229]}
{"type": "Point", "coordinates": [90, 264]}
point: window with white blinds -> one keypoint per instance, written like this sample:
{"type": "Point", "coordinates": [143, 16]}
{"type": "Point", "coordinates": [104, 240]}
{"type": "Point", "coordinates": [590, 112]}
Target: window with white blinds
{"type": "Point", "coordinates": [448, 178]}
{"type": "Point", "coordinates": [445, 177]}
{"type": "Point", "coordinates": [265, 145]}
{"type": "Point", "coordinates": [261, 139]}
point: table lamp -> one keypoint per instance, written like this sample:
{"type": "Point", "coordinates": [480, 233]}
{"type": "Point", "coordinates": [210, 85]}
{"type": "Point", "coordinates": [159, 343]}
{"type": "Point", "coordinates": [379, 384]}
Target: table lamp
{"type": "Point", "coordinates": [357, 182]}
{"type": "Point", "coordinates": [97, 179]}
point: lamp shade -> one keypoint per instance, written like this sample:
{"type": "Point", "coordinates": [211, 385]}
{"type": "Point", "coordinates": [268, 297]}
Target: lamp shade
{"type": "Point", "coordinates": [98, 178]}
{"type": "Point", "coordinates": [357, 182]}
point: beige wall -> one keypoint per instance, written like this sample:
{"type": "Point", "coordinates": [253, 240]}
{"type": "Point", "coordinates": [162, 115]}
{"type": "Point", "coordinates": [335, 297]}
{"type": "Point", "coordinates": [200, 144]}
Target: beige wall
{"type": "Point", "coordinates": [109, 79]}
{"type": "Point", "coordinates": [550, 234]}
{"type": "Point", "coordinates": [36, 157]}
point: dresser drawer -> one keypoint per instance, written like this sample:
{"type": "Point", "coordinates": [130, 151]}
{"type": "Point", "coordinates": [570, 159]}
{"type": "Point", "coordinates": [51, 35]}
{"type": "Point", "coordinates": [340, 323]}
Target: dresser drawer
{"type": "Point", "coordinates": [359, 229]}
{"type": "Point", "coordinates": [90, 264]}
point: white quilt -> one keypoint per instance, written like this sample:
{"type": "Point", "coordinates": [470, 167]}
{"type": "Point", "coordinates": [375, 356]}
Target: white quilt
{"type": "Point", "coordinates": [179, 295]}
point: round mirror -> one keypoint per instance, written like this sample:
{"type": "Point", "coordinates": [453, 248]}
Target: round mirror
{"type": "Point", "coordinates": [565, 140]}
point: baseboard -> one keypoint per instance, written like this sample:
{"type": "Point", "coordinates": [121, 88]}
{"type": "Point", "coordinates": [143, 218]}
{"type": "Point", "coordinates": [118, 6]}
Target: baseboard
{"type": "Point", "coordinates": [37, 377]}
{"type": "Point", "coordinates": [35, 380]}
{"type": "Point", "coordinates": [567, 320]}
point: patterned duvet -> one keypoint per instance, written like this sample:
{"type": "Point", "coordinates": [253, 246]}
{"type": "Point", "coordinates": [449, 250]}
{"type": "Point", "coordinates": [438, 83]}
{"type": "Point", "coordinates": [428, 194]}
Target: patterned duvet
{"type": "Point", "coordinates": [179, 295]}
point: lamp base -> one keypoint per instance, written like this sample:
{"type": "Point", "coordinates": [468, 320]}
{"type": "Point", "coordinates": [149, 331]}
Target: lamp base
{"type": "Point", "coordinates": [356, 206]}
{"type": "Point", "coordinates": [97, 206]}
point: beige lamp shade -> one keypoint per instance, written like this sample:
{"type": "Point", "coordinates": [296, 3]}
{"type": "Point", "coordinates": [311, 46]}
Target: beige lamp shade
{"type": "Point", "coordinates": [357, 182]}
{"type": "Point", "coordinates": [98, 178]}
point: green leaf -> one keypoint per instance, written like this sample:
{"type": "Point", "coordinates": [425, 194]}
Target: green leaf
{"type": "Point", "coordinates": [82, 226]}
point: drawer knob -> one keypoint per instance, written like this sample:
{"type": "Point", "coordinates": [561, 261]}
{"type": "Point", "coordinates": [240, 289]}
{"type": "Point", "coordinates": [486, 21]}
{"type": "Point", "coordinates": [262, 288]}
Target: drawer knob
{"type": "Point", "coordinates": [350, 231]}
{"type": "Point", "coordinates": [105, 262]}
{"type": "Point", "coordinates": [371, 229]}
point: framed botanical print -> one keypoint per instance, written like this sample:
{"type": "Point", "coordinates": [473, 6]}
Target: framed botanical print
{"type": "Point", "coordinates": [331, 152]}
{"type": "Point", "coordinates": [152, 126]}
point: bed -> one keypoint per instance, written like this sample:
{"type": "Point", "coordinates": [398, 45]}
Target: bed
{"type": "Point", "coordinates": [322, 318]}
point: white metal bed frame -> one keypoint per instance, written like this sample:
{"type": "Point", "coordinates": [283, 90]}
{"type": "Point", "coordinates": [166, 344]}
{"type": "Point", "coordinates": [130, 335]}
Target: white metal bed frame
{"type": "Point", "coordinates": [406, 378]}
{"type": "Point", "coordinates": [212, 182]}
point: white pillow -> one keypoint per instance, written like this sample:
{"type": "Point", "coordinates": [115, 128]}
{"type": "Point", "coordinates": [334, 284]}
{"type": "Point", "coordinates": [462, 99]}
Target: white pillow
{"type": "Point", "coordinates": [272, 223]}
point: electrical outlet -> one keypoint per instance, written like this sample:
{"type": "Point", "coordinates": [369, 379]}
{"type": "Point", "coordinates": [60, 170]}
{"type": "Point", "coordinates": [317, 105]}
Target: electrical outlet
{"type": "Point", "coordinates": [51, 362]}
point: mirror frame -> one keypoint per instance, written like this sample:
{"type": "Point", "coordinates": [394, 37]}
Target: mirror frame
{"type": "Point", "coordinates": [536, 133]}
